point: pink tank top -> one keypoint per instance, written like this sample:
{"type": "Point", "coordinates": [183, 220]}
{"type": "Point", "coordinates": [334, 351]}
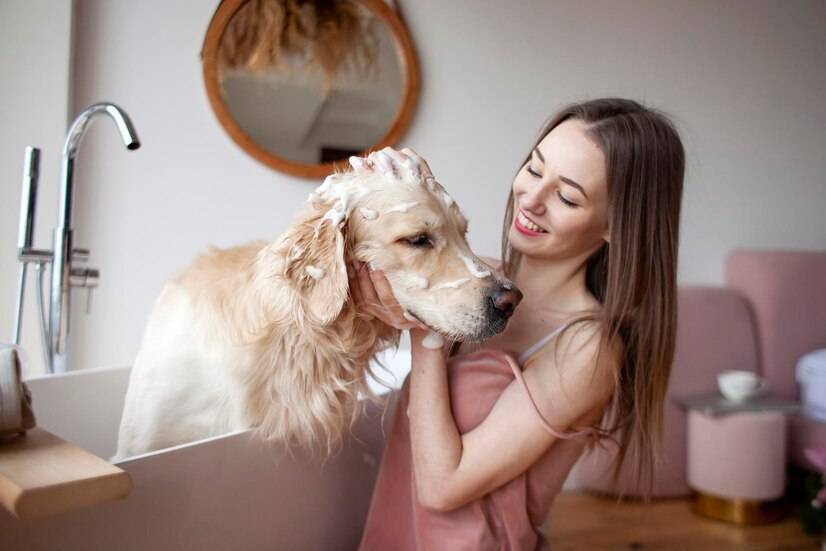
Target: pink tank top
{"type": "Point", "coordinates": [509, 517]}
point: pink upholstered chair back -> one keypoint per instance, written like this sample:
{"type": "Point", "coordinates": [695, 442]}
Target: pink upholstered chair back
{"type": "Point", "coordinates": [787, 294]}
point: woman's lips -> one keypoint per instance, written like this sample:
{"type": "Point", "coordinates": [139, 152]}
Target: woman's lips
{"type": "Point", "coordinates": [521, 226]}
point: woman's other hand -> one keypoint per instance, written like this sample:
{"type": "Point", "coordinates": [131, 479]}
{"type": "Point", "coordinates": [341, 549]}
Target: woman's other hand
{"type": "Point", "coordinates": [391, 162]}
{"type": "Point", "coordinates": [373, 295]}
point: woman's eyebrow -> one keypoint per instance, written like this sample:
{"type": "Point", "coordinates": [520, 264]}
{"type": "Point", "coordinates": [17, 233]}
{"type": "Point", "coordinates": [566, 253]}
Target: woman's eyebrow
{"type": "Point", "coordinates": [563, 178]}
{"type": "Point", "coordinates": [572, 183]}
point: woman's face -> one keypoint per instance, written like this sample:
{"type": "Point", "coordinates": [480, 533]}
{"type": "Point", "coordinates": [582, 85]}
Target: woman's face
{"type": "Point", "coordinates": [561, 197]}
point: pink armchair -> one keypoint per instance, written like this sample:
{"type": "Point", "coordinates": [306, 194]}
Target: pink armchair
{"type": "Point", "coordinates": [771, 312]}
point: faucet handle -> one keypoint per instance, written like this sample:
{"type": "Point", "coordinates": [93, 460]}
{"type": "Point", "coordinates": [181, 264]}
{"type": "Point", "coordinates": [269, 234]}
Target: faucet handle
{"type": "Point", "coordinates": [89, 300]}
{"type": "Point", "coordinates": [87, 278]}
{"type": "Point", "coordinates": [80, 255]}
{"type": "Point", "coordinates": [84, 277]}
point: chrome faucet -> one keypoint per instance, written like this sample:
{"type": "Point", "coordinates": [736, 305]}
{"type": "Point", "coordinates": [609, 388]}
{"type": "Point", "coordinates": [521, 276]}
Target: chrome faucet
{"type": "Point", "coordinates": [63, 255]}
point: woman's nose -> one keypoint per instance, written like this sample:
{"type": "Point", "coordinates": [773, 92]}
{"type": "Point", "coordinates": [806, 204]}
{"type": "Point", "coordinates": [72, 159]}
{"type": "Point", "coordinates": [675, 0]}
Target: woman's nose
{"type": "Point", "coordinates": [533, 200]}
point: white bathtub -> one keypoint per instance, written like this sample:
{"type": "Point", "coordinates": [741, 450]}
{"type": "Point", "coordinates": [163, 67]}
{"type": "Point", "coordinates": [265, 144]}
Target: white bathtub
{"type": "Point", "coordinates": [230, 492]}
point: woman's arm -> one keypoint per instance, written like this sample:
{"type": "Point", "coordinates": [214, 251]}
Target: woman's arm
{"type": "Point", "coordinates": [452, 469]}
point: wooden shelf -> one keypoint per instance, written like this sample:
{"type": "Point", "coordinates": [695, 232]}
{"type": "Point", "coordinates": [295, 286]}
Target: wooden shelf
{"type": "Point", "coordinates": [42, 475]}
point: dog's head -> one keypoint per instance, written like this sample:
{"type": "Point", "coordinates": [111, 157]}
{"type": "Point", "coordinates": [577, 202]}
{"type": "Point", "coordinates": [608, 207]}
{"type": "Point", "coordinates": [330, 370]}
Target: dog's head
{"type": "Point", "coordinates": [413, 231]}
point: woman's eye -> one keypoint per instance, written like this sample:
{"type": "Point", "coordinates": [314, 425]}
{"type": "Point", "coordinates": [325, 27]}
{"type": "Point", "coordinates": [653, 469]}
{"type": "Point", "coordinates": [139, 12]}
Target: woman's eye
{"type": "Point", "coordinates": [562, 198]}
{"type": "Point", "coordinates": [421, 240]}
{"type": "Point", "coordinates": [532, 172]}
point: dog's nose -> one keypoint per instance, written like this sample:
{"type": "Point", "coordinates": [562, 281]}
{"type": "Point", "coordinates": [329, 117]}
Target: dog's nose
{"type": "Point", "coordinates": [505, 300]}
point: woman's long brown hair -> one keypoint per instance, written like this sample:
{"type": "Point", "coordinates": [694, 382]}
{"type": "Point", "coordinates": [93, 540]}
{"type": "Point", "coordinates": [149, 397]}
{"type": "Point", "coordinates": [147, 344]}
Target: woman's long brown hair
{"type": "Point", "coordinates": [634, 278]}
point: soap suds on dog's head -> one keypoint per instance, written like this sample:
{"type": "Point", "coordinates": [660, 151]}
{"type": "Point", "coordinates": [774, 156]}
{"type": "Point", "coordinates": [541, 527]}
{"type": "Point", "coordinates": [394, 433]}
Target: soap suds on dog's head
{"type": "Point", "coordinates": [455, 284]}
{"type": "Point", "coordinates": [368, 214]}
{"type": "Point", "coordinates": [407, 280]}
{"type": "Point", "coordinates": [404, 207]}
{"type": "Point", "coordinates": [343, 193]}
{"type": "Point", "coordinates": [296, 251]}
{"type": "Point", "coordinates": [336, 214]}
{"type": "Point", "coordinates": [418, 281]}
{"type": "Point", "coordinates": [472, 268]}
{"type": "Point", "coordinates": [315, 272]}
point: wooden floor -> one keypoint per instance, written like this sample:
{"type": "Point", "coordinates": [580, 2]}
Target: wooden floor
{"type": "Point", "coordinates": [583, 523]}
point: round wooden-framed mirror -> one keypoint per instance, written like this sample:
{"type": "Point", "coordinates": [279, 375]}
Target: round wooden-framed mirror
{"type": "Point", "coordinates": [308, 103]}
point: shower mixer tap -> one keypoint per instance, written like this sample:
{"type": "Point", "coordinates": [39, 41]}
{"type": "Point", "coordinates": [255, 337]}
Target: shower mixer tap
{"type": "Point", "coordinates": [63, 258]}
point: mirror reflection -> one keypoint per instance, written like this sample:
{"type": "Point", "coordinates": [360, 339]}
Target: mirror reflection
{"type": "Point", "coordinates": [310, 82]}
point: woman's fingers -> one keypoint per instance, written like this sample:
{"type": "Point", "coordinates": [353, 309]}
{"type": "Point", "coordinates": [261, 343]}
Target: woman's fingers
{"type": "Point", "coordinates": [424, 168]}
{"type": "Point", "coordinates": [404, 161]}
{"type": "Point", "coordinates": [370, 301]}
{"type": "Point", "coordinates": [400, 160]}
{"type": "Point", "coordinates": [355, 290]}
{"type": "Point", "coordinates": [372, 294]}
{"type": "Point", "coordinates": [394, 163]}
{"type": "Point", "coordinates": [361, 164]}
{"type": "Point", "coordinates": [383, 162]}
{"type": "Point", "coordinates": [388, 299]}
{"type": "Point", "coordinates": [385, 293]}
{"type": "Point", "coordinates": [391, 162]}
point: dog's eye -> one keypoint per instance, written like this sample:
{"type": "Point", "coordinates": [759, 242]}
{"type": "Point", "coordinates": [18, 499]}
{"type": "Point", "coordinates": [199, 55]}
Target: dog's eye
{"type": "Point", "coordinates": [421, 240]}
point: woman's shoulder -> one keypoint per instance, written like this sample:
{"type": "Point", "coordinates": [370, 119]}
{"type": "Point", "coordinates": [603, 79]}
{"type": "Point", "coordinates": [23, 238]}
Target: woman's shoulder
{"type": "Point", "coordinates": [585, 336]}
{"type": "Point", "coordinates": [572, 356]}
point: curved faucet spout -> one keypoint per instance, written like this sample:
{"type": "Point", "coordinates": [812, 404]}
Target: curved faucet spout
{"type": "Point", "coordinates": [78, 128]}
{"type": "Point", "coordinates": [73, 139]}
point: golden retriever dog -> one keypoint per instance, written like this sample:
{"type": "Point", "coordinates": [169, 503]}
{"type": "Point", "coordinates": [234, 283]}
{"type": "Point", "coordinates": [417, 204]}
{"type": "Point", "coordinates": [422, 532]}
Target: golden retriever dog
{"type": "Point", "coordinates": [265, 335]}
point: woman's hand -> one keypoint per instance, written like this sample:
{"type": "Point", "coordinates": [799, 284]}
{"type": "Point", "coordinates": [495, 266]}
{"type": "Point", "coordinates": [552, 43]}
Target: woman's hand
{"type": "Point", "coordinates": [391, 162]}
{"type": "Point", "coordinates": [372, 294]}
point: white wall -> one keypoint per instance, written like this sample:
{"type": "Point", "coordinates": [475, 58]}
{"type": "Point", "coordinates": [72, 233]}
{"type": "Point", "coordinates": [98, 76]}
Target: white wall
{"type": "Point", "coordinates": [35, 39]}
{"type": "Point", "coordinates": [742, 79]}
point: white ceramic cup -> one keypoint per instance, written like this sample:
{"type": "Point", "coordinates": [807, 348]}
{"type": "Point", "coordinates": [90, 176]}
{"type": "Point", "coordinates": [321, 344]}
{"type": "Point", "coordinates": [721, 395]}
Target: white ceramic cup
{"type": "Point", "coordinates": [738, 385]}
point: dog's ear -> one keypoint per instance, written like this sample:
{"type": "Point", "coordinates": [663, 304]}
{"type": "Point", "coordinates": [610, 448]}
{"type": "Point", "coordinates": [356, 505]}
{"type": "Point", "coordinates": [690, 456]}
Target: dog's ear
{"type": "Point", "coordinates": [313, 253]}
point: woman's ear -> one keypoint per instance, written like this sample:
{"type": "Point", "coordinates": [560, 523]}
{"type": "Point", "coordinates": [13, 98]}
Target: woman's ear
{"type": "Point", "coordinates": [314, 265]}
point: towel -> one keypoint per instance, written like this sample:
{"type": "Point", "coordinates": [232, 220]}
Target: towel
{"type": "Point", "coordinates": [810, 373]}
{"type": "Point", "coordinates": [16, 415]}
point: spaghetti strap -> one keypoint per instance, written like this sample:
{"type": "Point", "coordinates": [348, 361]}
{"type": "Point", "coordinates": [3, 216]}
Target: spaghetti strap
{"type": "Point", "coordinates": [517, 372]}
{"type": "Point", "coordinates": [523, 357]}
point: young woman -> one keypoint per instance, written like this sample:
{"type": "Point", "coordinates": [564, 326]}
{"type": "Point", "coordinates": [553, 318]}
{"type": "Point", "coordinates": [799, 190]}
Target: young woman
{"type": "Point", "coordinates": [484, 436]}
